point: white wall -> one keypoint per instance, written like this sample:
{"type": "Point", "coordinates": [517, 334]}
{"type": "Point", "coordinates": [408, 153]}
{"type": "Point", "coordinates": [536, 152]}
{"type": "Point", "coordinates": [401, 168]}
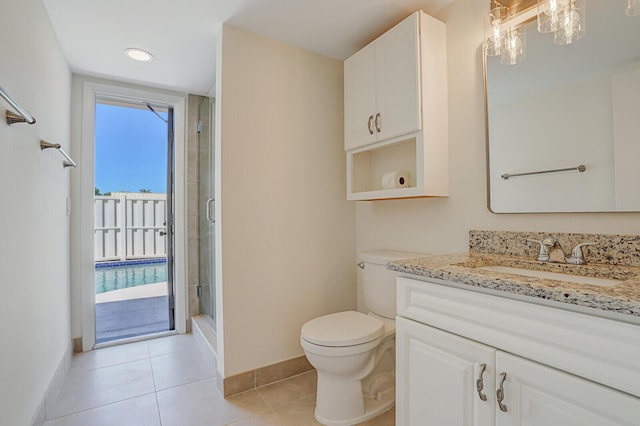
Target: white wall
{"type": "Point", "coordinates": [287, 234]}
{"type": "Point", "coordinates": [442, 225]}
{"type": "Point", "coordinates": [34, 242]}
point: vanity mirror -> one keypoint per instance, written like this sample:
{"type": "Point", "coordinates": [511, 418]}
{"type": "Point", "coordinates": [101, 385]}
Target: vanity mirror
{"type": "Point", "coordinates": [563, 107]}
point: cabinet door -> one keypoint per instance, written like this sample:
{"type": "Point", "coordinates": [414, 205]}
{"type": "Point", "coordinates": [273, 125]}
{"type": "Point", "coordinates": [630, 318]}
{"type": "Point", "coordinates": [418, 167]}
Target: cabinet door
{"type": "Point", "coordinates": [436, 378]}
{"type": "Point", "coordinates": [398, 80]}
{"type": "Point", "coordinates": [360, 98]}
{"type": "Point", "coordinates": [537, 395]}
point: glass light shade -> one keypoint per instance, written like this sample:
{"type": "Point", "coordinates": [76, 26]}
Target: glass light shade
{"type": "Point", "coordinates": [514, 50]}
{"type": "Point", "coordinates": [633, 8]}
{"type": "Point", "coordinates": [571, 22]}
{"type": "Point", "coordinates": [494, 31]}
{"type": "Point", "coordinates": [548, 11]}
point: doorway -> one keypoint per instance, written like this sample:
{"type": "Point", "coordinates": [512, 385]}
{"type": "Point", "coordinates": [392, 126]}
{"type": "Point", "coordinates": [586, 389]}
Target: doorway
{"type": "Point", "coordinates": [134, 219]}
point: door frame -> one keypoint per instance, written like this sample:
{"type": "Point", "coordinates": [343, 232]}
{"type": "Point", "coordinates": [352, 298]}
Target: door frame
{"type": "Point", "coordinates": [82, 265]}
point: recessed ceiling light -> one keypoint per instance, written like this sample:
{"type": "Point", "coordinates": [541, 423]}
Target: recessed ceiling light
{"type": "Point", "coordinates": [139, 54]}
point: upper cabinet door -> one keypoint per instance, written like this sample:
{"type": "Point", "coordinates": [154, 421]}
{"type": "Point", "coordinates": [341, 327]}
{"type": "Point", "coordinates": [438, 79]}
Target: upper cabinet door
{"type": "Point", "coordinates": [398, 80]}
{"type": "Point", "coordinates": [360, 98]}
{"type": "Point", "coordinates": [382, 87]}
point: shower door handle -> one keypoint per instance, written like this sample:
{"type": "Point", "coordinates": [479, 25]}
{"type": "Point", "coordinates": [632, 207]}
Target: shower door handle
{"type": "Point", "coordinates": [209, 218]}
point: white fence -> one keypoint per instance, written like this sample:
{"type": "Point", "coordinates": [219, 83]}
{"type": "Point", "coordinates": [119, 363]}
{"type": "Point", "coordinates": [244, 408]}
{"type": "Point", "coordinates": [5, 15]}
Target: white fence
{"type": "Point", "coordinates": [130, 226]}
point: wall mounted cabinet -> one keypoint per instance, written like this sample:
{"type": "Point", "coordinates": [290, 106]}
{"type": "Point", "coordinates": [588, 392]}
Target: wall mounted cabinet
{"type": "Point", "coordinates": [396, 105]}
{"type": "Point", "coordinates": [466, 358]}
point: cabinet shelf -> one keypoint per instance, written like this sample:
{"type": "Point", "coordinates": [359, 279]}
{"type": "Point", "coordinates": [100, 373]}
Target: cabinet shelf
{"type": "Point", "coordinates": [366, 167]}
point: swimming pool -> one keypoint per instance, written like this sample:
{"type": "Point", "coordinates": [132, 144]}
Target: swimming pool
{"type": "Point", "coordinates": [125, 275]}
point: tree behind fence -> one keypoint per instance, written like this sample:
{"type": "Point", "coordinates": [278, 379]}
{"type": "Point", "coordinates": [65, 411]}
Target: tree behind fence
{"type": "Point", "coordinates": [130, 226]}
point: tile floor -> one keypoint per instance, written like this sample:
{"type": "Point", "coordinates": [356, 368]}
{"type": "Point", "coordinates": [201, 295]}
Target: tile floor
{"type": "Point", "coordinates": [171, 381]}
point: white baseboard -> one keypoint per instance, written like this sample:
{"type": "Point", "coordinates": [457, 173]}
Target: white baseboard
{"type": "Point", "coordinates": [50, 394]}
{"type": "Point", "coordinates": [205, 334]}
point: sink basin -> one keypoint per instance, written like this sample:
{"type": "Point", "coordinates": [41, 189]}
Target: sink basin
{"type": "Point", "coordinates": [577, 279]}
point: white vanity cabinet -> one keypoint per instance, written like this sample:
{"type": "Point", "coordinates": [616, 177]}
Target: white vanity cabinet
{"type": "Point", "coordinates": [396, 111]}
{"type": "Point", "coordinates": [449, 338]}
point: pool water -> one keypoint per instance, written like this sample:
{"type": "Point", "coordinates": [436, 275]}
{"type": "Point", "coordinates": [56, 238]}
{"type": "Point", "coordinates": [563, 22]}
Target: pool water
{"type": "Point", "coordinates": [118, 277]}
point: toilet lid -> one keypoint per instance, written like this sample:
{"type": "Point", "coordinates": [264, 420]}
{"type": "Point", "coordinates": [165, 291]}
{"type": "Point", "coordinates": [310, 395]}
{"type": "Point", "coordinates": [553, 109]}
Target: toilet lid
{"type": "Point", "coordinates": [342, 329]}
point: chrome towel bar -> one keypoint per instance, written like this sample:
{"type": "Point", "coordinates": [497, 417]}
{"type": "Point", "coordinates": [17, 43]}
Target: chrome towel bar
{"type": "Point", "coordinates": [12, 118]}
{"type": "Point", "coordinates": [581, 168]}
{"type": "Point", "coordinates": [68, 160]}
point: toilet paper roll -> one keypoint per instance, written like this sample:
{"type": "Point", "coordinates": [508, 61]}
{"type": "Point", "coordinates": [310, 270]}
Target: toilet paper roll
{"type": "Point", "coordinates": [396, 179]}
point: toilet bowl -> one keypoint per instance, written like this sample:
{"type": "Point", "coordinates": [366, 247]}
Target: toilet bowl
{"type": "Point", "coordinates": [353, 352]}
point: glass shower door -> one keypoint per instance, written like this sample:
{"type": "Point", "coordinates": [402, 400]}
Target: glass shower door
{"type": "Point", "coordinates": [206, 220]}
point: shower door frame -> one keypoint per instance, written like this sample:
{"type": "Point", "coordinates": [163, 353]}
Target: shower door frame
{"type": "Point", "coordinates": [83, 286]}
{"type": "Point", "coordinates": [206, 213]}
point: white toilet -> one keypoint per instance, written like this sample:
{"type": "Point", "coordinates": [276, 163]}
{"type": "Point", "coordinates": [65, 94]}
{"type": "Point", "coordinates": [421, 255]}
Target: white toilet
{"type": "Point", "coordinates": [354, 353]}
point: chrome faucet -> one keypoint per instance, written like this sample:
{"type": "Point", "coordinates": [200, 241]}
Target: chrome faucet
{"type": "Point", "coordinates": [551, 251]}
{"type": "Point", "coordinates": [577, 255]}
{"type": "Point", "coordinates": [556, 252]}
{"type": "Point", "coordinates": [543, 254]}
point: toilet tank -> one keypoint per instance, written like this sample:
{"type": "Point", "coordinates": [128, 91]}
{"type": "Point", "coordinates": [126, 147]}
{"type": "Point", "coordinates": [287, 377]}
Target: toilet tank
{"type": "Point", "coordinates": [377, 283]}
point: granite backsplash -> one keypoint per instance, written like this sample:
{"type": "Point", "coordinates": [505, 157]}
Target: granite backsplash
{"type": "Point", "coordinates": [612, 249]}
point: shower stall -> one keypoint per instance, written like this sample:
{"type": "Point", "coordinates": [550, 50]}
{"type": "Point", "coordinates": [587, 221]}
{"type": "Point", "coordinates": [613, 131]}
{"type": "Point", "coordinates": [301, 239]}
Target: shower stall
{"type": "Point", "coordinates": [206, 212]}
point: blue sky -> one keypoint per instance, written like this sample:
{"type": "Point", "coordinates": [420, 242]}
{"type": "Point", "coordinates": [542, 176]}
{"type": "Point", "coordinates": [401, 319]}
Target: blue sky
{"type": "Point", "coordinates": [131, 149]}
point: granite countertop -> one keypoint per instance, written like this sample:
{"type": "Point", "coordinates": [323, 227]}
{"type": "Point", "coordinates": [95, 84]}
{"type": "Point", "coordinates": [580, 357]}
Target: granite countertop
{"type": "Point", "coordinates": [622, 298]}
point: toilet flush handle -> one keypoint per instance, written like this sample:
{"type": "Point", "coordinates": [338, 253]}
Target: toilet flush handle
{"type": "Point", "coordinates": [361, 265]}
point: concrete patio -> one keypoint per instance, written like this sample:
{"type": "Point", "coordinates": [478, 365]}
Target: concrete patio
{"type": "Point", "coordinates": [132, 312]}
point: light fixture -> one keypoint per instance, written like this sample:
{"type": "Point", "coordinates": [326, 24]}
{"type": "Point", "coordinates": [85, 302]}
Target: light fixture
{"type": "Point", "coordinates": [548, 11]}
{"type": "Point", "coordinates": [633, 8]}
{"type": "Point", "coordinates": [138, 54]}
{"type": "Point", "coordinates": [571, 22]}
{"type": "Point", "coordinates": [514, 49]}
{"type": "Point", "coordinates": [505, 31]}
{"type": "Point", "coordinates": [494, 30]}
{"type": "Point", "coordinates": [565, 18]}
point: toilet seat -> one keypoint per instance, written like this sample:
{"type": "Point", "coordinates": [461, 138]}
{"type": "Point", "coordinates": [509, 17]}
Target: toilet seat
{"type": "Point", "coordinates": [342, 329]}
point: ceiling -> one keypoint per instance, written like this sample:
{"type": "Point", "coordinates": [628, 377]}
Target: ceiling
{"type": "Point", "coordinates": [182, 35]}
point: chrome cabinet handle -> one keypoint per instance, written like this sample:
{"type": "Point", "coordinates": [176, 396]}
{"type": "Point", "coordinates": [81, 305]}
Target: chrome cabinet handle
{"type": "Point", "coordinates": [500, 393]}
{"type": "Point", "coordinates": [369, 124]}
{"type": "Point", "coordinates": [480, 382]}
{"type": "Point", "coordinates": [209, 218]}
{"type": "Point", "coordinates": [378, 122]}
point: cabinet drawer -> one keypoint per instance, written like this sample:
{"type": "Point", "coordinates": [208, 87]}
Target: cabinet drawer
{"type": "Point", "coordinates": [601, 350]}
